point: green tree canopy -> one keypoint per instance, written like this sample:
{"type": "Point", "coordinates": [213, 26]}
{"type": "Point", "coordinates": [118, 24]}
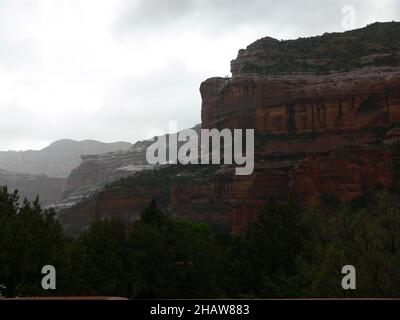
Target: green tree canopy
{"type": "Point", "coordinates": [30, 238]}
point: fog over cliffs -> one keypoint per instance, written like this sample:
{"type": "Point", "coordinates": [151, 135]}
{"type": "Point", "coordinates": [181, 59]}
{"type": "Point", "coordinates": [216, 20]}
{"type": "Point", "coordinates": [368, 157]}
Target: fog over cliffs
{"type": "Point", "coordinates": [44, 172]}
{"type": "Point", "coordinates": [57, 159]}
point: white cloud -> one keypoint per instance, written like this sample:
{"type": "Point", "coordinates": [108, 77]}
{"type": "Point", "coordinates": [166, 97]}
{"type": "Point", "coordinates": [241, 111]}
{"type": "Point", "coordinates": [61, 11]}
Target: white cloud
{"type": "Point", "coordinates": [117, 70]}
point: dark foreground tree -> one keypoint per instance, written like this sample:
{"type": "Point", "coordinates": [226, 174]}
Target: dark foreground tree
{"type": "Point", "coordinates": [263, 262]}
{"type": "Point", "coordinates": [98, 260]}
{"type": "Point", "coordinates": [30, 238]}
{"type": "Point", "coordinates": [290, 251]}
{"type": "Point", "coordinates": [367, 238]}
{"type": "Point", "coordinates": [172, 258]}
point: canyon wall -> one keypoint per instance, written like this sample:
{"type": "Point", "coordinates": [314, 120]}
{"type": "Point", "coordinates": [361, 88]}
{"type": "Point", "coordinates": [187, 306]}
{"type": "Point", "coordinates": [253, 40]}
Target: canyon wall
{"type": "Point", "coordinates": [327, 131]}
{"type": "Point", "coordinates": [365, 98]}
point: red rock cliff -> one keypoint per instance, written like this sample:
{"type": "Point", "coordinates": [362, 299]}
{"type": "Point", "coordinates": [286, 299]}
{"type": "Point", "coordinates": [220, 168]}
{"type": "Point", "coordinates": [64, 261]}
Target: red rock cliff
{"type": "Point", "coordinates": [302, 103]}
{"type": "Point", "coordinates": [320, 135]}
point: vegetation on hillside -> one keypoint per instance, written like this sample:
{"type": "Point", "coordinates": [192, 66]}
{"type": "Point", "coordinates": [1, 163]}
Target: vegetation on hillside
{"type": "Point", "coordinates": [375, 45]}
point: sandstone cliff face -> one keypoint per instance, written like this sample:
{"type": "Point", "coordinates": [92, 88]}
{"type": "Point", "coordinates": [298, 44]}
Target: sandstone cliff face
{"type": "Point", "coordinates": [318, 136]}
{"type": "Point", "coordinates": [323, 136]}
{"type": "Point", "coordinates": [365, 98]}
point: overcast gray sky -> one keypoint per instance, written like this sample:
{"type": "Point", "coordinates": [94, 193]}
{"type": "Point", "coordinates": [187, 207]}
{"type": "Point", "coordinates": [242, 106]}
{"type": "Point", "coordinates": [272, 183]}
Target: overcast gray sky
{"type": "Point", "coordinates": [120, 70]}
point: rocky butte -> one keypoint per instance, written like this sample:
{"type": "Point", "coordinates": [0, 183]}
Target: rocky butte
{"type": "Point", "coordinates": [326, 111]}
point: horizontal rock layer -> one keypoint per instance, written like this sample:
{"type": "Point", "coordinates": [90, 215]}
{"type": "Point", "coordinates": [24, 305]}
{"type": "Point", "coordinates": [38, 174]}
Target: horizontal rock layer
{"type": "Point", "coordinates": [295, 104]}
